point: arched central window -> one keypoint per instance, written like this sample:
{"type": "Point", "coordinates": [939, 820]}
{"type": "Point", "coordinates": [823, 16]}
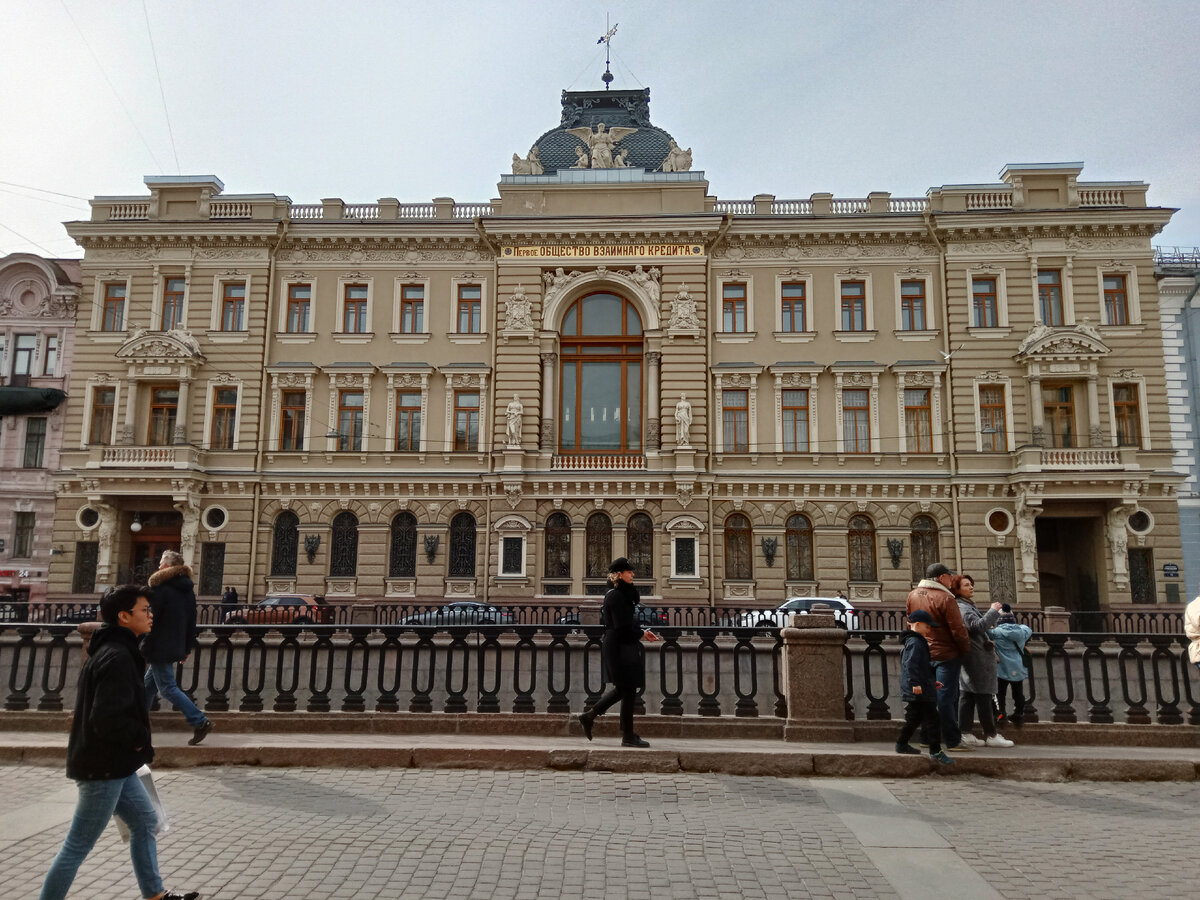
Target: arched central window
{"type": "Point", "coordinates": [600, 406]}
{"type": "Point", "coordinates": [739, 564]}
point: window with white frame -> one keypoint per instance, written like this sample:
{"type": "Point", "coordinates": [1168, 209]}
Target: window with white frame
{"type": "Point", "coordinates": [735, 312]}
{"type": "Point", "coordinates": [224, 398]}
{"type": "Point", "coordinates": [50, 360]}
{"type": "Point", "coordinates": [856, 400]}
{"type": "Point", "coordinates": [410, 318]}
{"type": "Point", "coordinates": [914, 310]}
{"type": "Point", "coordinates": [355, 305]}
{"type": "Point", "coordinates": [230, 294]}
{"type": "Point", "coordinates": [993, 414]}
{"type": "Point", "coordinates": [1055, 299]}
{"type": "Point", "coordinates": [988, 287]}
{"type": "Point", "coordinates": [298, 311]}
{"type": "Point", "coordinates": [100, 403]}
{"type": "Point", "coordinates": [291, 410]}
{"type": "Point", "coordinates": [1119, 300]}
{"type": "Point", "coordinates": [468, 309]}
{"type": "Point", "coordinates": [737, 410]}
{"type": "Point", "coordinates": [919, 395]}
{"type": "Point", "coordinates": [1129, 423]}
{"type": "Point", "coordinates": [684, 563]}
{"type": "Point", "coordinates": [111, 303]}
{"type": "Point", "coordinates": [855, 306]}
{"type": "Point", "coordinates": [793, 306]}
{"type": "Point", "coordinates": [512, 555]}
{"type": "Point", "coordinates": [795, 409]}
{"type": "Point", "coordinates": [171, 312]}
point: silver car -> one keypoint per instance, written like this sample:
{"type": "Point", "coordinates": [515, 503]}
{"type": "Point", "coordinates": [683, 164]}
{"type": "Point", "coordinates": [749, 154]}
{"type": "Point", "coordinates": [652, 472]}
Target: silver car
{"type": "Point", "coordinates": [844, 613]}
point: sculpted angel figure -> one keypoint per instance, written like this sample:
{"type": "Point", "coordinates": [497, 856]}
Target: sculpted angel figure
{"type": "Point", "coordinates": [512, 416]}
{"type": "Point", "coordinates": [601, 143]}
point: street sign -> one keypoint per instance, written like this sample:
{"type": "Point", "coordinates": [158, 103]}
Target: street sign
{"type": "Point", "coordinates": [1170, 570]}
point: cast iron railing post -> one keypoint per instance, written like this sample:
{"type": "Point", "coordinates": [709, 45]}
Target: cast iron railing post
{"type": "Point", "coordinates": [285, 691]}
{"type": "Point", "coordinates": [390, 649]}
{"type": "Point", "coordinates": [354, 700]}
{"type": "Point", "coordinates": [710, 704]}
{"type": "Point", "coordinates": [1163, 661]}
{"type": "Point", "coordinates": [318, 689]}
{"type": "Point", "coordinates": [252, 687]}
{"type": "Point", "coordinates": [421, 700]}
{"type": "Point", "coordinates": [51, 699]}
{"type": "Point", "coordinates": [1135, 704]}
{"type": "Point", "coordinates": [1064, 708]}
{"type": "Point", "coordinates": [1094, 658]}
{"type": "Point", "coordinates": [670, 655]}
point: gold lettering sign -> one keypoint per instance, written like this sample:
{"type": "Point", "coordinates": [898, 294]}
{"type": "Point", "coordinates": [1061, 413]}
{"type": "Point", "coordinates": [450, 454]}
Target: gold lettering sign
{"type": "Point", "coordinates": [602, 251]}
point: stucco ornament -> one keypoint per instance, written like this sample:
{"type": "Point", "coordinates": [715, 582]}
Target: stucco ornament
{"type": "Point", "coordinates": [530, 165]}
{"type": "Point", "coordinates": [1118, 540]}
{"type": "Point", "coordinates": [520, 316]}
{"type": "Point", "coordinates": [683, 311]}
{"type": "Point", "coordinates": [677, 160]}
{"type": "Point", "coordinates": [601, 144]}
{"type": "Point", "coordinates": [647, 281]}
{"type": "Point", "coordinates": [512, 416]}
{"type": "Point", "coordinates": [683, 422]}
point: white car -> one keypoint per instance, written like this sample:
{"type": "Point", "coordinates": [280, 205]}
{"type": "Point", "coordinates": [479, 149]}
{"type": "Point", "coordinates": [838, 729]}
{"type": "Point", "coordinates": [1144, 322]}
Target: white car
{"type": "Point", "coordinates": [844, 613]}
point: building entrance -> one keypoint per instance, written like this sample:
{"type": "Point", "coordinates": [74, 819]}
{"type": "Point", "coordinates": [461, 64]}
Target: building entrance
{"type": "Point", "coordinates": [1070, 559]}
{"type": "Point", "coordinates": [160, 531]}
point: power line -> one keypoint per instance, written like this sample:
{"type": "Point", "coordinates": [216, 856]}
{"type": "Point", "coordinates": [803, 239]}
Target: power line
{"type": "Point", "coordinates": [29, 187]}
{"type": "Point", "coordinates": [100, 66]}
{"type": "Point", "coordinates": [27, 240]}
{"type": "Point", "coordinates": [161, 91]}
{"type": "Point", "coordinates": [39, 199]}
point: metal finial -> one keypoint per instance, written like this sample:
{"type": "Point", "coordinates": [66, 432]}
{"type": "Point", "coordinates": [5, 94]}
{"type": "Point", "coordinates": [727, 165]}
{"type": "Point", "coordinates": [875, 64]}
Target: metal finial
{"type": "Point", "coordinates": [607, 77]}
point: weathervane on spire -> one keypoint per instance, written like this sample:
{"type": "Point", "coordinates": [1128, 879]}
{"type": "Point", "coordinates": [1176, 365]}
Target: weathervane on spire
{"type": "Point", "coordinates": [607, 77]}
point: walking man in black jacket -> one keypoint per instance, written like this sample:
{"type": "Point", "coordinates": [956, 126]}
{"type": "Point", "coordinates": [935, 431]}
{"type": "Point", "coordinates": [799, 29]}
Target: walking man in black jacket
{"type": "Point", "coordinates": [110, 741]}
{"type": "Point", "coordinates": [173, 600]}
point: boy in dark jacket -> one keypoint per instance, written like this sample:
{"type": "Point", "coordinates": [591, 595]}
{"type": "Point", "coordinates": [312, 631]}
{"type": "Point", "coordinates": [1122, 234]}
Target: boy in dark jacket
{"type": "Point", "coordinates": [110, 741]}
{"type": "Point", "coordinates": [919, 688]}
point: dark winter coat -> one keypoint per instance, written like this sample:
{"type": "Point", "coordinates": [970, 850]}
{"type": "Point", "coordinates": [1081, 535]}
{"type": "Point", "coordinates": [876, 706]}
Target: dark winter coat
{"type": "Point", "coordinates": [110, 733]}
{"type": "Point", "coordinates": [979, 666]}
{"type": "Point", "coordinates": [951, 640]}
{"type": "Point", "coordinates": [916, 670]}
{"type": "Point", "coordinates": [173, 602]}
{"type": "Point", "coordinates": [621, 651]}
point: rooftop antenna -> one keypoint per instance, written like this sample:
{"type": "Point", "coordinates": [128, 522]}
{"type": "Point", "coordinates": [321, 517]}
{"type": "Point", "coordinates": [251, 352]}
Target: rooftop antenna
{"type": "Point", "coordinates": [607, 77]}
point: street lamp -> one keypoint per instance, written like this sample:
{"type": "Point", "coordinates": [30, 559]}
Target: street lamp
{"type": "Point", "coordinates": [136, 525]}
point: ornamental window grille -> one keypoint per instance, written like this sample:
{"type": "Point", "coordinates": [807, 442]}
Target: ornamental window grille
{"type": "Point", "coordinates": [87, 560]}
{"type": "Point", "coordinates": [462, 546]}
{"type": "Point", "coordinates": [1002, 575]}
{"type": "Point", "coordinates": [860, 541]}
{"type": "Point", "coordinates": [402, 555]}
{"type": "Point", "coordinates": [738, 539]}
{"type": "Point", "coordinates": [212, 569]}
{"type": "Point", "coordinates": [1141, 575]}
{"type": "Point", "coordinates": [599, 545]}
{"type": "Point", "coordinates": [639, 539]}
{"type": "Point", "coordinates": [512, 556]}
{"type": "Point", "coordinates": [923, 542]}
{"type": "Point", "coordinates": [343, 539]}
{"type": "Point", "coordinates": [799, 537]}
{"type": "Point", "coordinates": [685, 557]}
{"type": "Point", "coordinates": [285, 541]}
{"type": "Point", "coordinates": [558, 546]}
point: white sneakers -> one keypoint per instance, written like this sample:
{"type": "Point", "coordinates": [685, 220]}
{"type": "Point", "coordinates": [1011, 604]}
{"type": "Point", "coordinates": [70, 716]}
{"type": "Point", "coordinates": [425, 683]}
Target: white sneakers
{"type": "Point", "coordinates": [971, 741]}
{"type": "Point", "coordinates": [997, 740]}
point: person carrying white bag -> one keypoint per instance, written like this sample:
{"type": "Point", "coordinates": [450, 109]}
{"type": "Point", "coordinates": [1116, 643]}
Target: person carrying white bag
{"type": "Point", "coordinates": [109, 745]}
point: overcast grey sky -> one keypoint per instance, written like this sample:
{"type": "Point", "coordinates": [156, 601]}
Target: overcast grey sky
{"type": "Point", "coordinates": [362, 100]}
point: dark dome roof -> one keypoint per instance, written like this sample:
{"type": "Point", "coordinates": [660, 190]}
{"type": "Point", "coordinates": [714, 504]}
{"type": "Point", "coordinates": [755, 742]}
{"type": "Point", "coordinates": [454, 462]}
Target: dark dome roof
{"type": "Point", "coordinates": [647, 146]}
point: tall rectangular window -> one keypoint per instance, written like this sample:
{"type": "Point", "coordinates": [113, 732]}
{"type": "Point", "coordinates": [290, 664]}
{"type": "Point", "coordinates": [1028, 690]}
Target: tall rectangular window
{"type": "Point", "coordinates": [224, 414]}
{"type": "Point", "coordinates": [918, 427]}
{"type": "Point", "coordinates": [412, 308]}
{"type": "Point", "coordinates": [1141, 575]}
{"type": "Point", "coordinates": [51, 364]}
{"type": "Point", "coordinates": [993, 419]}
{"type": "Point", "coordinates": [733, 307]}
{"type": "Point", "coordinates": [291, 420]}
{"type": "Point", "coordinates": [350, 420]}
{"type": "Point", "coordinates": [233, 306]}
{"type": "Point", "coordinates": [1058, 406]}
{"type": "Point", "coordinates": [912, 305]}
{"type": "Point", "coordinates": [87, 558]}
{"type": "Point", "coordinates": [113, 317]}
{"type": "Point", "coordinates": [35, 442]}
{"type": "Point", "coordinates": [212, 569]}
{"type": "Point", "coordinates": [172, 305]}
{"type": "Point", "coordinates": [984, 304]}
{"type": "Point", "coordinates": [795, 421]}
{"type": "Point", "coordinates": [408, 421]}
{"type": "Point", "coordinates": [470, 308]}
{"type": "Point", "coordinates": [354, 309]}
{"type": "Point", "coordinates": [735, 421]}
{"type": "Point", "coordinates": [164, 406]}
{"type": "Point", "coordinates": [466, 420]}
{"type": "Point", "coordinates": [793, 307]}
{"type": "Point", "coordinates": [854, 306]}
{"type": "Point", "coordinates": [22, 543]}
{"type": "Point", "coordinates": [24, 347]}
{"type": "Point", "coordinates": [1050, 296]}
{"type": "Point", "coordinates": [1116, 300]}
{"type": "Point", "coordinates": [856, 421]}
{"type": "Point", "coordinates": [1127, 415]}
{"type": "Point", "coordinates": [299, 300]}
{"type": "Point", "coordinates": [101, 426]}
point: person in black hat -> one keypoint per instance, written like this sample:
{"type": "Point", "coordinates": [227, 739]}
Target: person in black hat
{"type": "Point", "coordinates": [919, 688]}
{"type": "Point", "coordinates": [623, 664]}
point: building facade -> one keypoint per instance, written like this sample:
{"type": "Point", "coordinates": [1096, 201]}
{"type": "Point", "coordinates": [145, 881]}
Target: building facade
{"type": "Point", "coordinates": [38, 299]}
{"type": "Point", "coordinates": [749, 399]}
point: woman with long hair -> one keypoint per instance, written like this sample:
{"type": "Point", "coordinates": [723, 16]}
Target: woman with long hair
{"type": "Point", "coordinates": [623, 664]}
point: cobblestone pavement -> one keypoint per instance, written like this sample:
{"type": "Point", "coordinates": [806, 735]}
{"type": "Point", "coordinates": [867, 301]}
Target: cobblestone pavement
{"type": "Point", "coordinates": [341, 833]}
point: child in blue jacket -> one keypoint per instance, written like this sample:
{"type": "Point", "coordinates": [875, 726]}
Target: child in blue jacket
{"type": "Point", "coordinates": [1010, 639]}
{"type": "Point", "coordinates": [919, 688]}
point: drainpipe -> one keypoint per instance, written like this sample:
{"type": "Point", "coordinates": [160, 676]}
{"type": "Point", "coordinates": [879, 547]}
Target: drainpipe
{"type": "Point", "coordinates": [262, 405]}
{"type": "Point", "coordinates": [490, 482]}
{"type": "Point", "coordinates": [1193, 363]}
{"type": "Point", "coordinates": [946, 351]}
{"type": "Point", "coordinates": [726, 222]}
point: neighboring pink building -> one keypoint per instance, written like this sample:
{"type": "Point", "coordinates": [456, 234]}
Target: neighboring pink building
{"type": "Point", "coordinates": [38, 300]}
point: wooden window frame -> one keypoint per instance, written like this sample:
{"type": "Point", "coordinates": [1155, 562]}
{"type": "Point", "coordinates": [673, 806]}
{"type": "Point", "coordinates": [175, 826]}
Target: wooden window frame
{"type": "Point", "coordinates": [405, 413]}
{"type": "Point", "coordinates": [787, 307]}
{"type": "Point", "coordinates": [97, 416]}
{"type": "Point", "coordinates": [230, 303]}
{"type": "Point", "coordinates": [985, 305]}
{"type": "Point", "coordinates": [866, 410]}
{"type": "Point", "coordinates": [412, 309]}
{"type": "Point", "coordinates": [223, 413]}
{"type": "Point", "coordinates": [784, 409]}
{"type": "Point", "coordinates": [300, 306]}
{"type": "Point", "coordinates": [731, 536]}
{"type": "Point", "coordinates": [1116, 301]}
{"type": "Point", "coordinates": [1127, 411]}
{"type": "Point", "coordinates": [170, 437]}
{"type": "Point", "coordinates": [355, 433]}
{"type": "Point", "coordinates": [1069, 405]}
{"type": "Point", "coordinates": [911, 413]}
{"type": "Point", "coordinates": [298, 421]}
{"type": "Point", "coordinates": [730, 423]}
{"type": "Point", "coordinates": [866, 538]}
{"type": "Point", "coordinates": [909, 306]}
{"type": "Point", "coordinates": [467, 445]}
{"type": "Point", "coordinates": [471, 306]}
{"type": "Point", "coordinates": [853, 305]}
{"type": "Point", "coordinates": [112, 317]}
{"type": "Point", "coordinates": [354, 309]}
{"type": "Point", "coordinates": [734, 309]}
{"type": "Point", "coordinates": [172, 302]}
{"type": "Point", "coordinates": [995, 441]}
{"type": "Point", "coordinates": [1046, 298]}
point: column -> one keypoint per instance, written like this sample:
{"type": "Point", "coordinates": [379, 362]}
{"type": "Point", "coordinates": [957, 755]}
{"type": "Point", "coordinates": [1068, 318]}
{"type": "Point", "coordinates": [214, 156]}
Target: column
{"type": "Point", "coordinates": [549, 360]}
{"type": "Point", "coordinates": [1037, 412]}
{"type": "Point", "coordinates": [1093, 394]}
{"type": "Point", "coordinates": [653, 364]}
{"type": "Point", "coordinates": [181, 413]}
{"type": "Point", "coordinates": [127, 428]}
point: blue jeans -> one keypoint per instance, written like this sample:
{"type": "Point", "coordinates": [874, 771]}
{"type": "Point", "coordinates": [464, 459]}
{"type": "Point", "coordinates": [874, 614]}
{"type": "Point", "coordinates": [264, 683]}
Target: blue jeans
{"type": "Point", "coordinates": [98, 800]}
{"type": "Point", "coordinates": [946, 671]}
{"type": "Point", "coordinates": [160, 678]}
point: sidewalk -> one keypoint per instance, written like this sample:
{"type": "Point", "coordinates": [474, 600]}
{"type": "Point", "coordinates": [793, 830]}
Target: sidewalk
{"type": "Point", "coordinates": [728, 756]}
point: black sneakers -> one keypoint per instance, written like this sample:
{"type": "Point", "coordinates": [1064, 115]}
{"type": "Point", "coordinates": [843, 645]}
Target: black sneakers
{"type": "Point", "coordinates": [198, 735]}
{"type": "Point", "coordinates": [632, 740]}
{"type": "Point", "coordinates": [175, 895]}
{"type": "Point", "coordinates": [907, 750]}
{"type": "Point", "coordinates": [587, 720]}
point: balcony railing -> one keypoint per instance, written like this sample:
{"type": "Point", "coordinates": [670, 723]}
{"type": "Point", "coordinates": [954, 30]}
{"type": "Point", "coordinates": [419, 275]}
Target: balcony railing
{"type": "Point", "coordinates": [173, 457]}
{"type": "Point", "coordinates": [1076, 459]}
{"type": "Point", "coordinates": [598, 461]}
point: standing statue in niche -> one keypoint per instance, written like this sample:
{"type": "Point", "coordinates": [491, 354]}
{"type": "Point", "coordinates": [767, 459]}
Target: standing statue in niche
{"type": "Point", "coordinates": [512, 415]}
{"type": "Point", "coordinates": [683, 422]}
{"type": "Point", "coordinates": [601, 144]}
{"type": "Point", "coordinates": [1118, 539]}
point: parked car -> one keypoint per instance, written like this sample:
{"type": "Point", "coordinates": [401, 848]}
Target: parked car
{"type": "Point", "coordinates": [89, 612]}
{"type": "Point", "coordinates": [463, 612]}
{"type": "Point", "coordinates": [846, 615]}
{"type": "Point", "coordinates": [283, 609]}
{"type": "Point", "coordinates": [646, 616]}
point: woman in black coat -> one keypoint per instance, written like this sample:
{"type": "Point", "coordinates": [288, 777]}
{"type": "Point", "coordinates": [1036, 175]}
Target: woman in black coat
{"type": "Point", "coordinates": [624, 667]}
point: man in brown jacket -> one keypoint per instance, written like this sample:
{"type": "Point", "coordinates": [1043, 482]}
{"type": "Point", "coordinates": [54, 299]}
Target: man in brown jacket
{"type": "Point", "coordinates": [947, 645]}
